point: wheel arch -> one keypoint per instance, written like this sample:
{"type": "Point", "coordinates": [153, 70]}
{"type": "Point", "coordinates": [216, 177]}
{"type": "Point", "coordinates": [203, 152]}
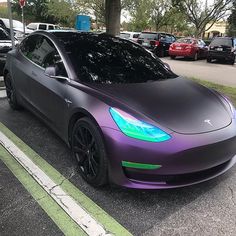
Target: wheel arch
{"type": "Point", "coordinates": [78, 114]}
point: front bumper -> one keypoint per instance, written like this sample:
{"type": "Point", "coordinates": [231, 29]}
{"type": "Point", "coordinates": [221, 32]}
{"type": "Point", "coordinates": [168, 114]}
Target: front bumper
{"type": "Point", "coordinates": [184, 159]}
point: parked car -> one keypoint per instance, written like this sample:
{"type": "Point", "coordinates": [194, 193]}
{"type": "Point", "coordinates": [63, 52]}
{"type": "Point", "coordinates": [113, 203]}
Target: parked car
{"type": "Point", "coordinates": [127, 118]}
{"type": "Point", "coordinates": [158, 43]}
{"type": "Point", "coordinates": [17, 27]}
{"type": "Point", "coordinates": [188, 47]}
{"type": "Point", "coordinates": [133, 36]}
{"type": "Point", "coordinates": [222, 48]}
{"type": "Point", "coordinates": [5, 47]}
{"type": "Point", "coordinates": [42, 26]}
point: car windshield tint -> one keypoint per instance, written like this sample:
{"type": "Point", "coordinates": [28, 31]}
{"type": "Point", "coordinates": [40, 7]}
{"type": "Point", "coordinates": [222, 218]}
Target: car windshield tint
{"type": "Point", "coordinates": [188, 41]}
{"type": "Point", "coordinates": [3, 35]}
{"type": "Point", "coordinates": [108, 60]}
{"type": "Point", "coordinates": [147, 36]}
{"type": "Point", "coordinates": [221, 42]}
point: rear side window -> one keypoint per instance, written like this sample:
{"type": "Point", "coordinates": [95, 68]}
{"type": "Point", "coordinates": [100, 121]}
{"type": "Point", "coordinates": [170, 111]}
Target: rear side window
{"type": "Point", "coordinates": [42, 26]}
{"type": "Point", "coordinates": [221, 42]}
{"type": "Point", "coordinates": [50, 27]}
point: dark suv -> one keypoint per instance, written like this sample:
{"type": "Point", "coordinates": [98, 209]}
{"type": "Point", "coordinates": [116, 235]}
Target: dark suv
{"type": "Point", "coordinates": [158, 43]}
{"type": "Point", "coordinates": [222, 48]}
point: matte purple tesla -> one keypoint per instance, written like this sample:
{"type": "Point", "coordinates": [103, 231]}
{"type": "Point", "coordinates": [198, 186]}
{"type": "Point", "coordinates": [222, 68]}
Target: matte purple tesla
{"type": "Point", "coordinates": [127, 117]}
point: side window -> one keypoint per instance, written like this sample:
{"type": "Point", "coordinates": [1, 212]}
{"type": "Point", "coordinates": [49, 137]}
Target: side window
{"type": "Point", "coordinates": [42, 26]}
{"type": "Point", "coordinates": [135, 36]}
{"type": "Point", "coordinates": [42, 52]}
{"type": "Point", "coordinates": [235, 42]}
{"type": "Point", "coordinates": [50, 27]}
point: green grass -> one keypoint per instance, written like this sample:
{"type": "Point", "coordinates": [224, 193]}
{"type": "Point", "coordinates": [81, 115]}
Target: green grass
{"type": "Point", "coordinates": [228, 91]}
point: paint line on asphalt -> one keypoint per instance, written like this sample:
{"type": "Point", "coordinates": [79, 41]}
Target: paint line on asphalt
{"type": "Point", "coordinates": [107, 221]}
{"type": "Point", "coordinates": [53, 210]}
{"type": "Point", "coordinates": [67, 203]}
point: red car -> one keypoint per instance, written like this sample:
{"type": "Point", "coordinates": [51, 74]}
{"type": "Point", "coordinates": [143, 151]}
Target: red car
{"type": "Point", "coordinates": [188, 47]}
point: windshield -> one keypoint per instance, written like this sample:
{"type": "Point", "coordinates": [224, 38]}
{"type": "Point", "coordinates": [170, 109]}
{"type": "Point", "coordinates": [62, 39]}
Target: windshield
{"type": "Point", "coordinates": [109, 60]}
{"type": "Point", "coordinates": [221, 42]}
{"type": "Point", "coordinates": [148, 36]}
{"type": "Point", "coordinates": [124, 35]}
{"type": "Point", "coordinates": [185, 40]}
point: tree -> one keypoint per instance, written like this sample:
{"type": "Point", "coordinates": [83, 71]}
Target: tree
{"type": "Point", "coordinates": [96, 7]}
{"type": "Point", "coordinates": [61, 12]}
{"type": "Point", "coordinates": [35, 10]}
{"type": "Point", "coordinates": [159, 10]}
{"type": "Point", "coordinates": [201, 12]}
{"type": "Point", "coordinates": [232, 21]}
{"type": "Point", "coordinates": [113, 11]}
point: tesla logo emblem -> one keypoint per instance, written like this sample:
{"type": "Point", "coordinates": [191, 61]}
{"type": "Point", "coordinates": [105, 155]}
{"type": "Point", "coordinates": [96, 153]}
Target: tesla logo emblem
{"type": "Point", "coordinates": [208, 122]}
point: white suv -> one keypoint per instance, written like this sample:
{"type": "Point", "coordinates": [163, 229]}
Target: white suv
{"type": "Point", "coordinates": [42, 26]}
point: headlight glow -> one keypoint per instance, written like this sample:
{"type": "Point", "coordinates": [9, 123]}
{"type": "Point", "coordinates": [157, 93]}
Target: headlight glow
{"type": "Point", "coordinates": [137, 129]}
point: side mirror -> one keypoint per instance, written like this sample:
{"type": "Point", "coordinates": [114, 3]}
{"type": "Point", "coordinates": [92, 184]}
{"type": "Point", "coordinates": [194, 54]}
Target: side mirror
{"type": "Point", "coordinates": [52, 72]}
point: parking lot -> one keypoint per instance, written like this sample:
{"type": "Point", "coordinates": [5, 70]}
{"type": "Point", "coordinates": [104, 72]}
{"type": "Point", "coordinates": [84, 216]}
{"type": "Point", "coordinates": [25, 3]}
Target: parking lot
{"type": "Point", "coordinates": [204, 209]}
{"type": "Point", "coordinates": [216, 72]}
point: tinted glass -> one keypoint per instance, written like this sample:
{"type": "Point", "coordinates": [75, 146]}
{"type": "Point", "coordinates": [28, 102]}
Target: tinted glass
{"type": "Point", "coordinates": [42, 27]}
{"type": "Point", "coordinates": [221, 42]}
{"type": "Point", "coordinates": [148, 36]}
{"type": "Point", "coordinates": [135, 36]}
{"type": "Point", "coordinates": [109, 60]}
{"type": "Point", "coordinates": [50, 27]}
{"type": "Point", "coordinates": [4, 36]}
{"type": "Point", "coordinates": [41, 51]}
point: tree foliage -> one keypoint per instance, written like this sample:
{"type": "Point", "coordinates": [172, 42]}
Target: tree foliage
{"type": "Point", "coordinates": [232, 21]}
{"type": "Point", "coordinates": [203, 12]}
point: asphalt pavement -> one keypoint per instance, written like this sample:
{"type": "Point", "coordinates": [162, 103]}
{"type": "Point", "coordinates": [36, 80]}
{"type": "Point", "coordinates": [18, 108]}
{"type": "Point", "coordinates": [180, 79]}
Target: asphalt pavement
{"type": "Point", "coordinates": [205, 209]}
{"type": "Point", "coordinates": [220, 73]}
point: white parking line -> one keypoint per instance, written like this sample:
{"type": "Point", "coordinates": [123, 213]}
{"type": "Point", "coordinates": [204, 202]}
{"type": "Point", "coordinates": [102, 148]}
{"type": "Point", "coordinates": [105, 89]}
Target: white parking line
{"type": "Point", "coordinates": [67, 203]}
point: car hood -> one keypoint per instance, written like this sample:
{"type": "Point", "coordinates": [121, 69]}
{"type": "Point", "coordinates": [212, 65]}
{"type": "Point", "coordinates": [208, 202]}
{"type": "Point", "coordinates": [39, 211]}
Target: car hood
{"type": "Point", "coordinates": [178, 104]}
{"type": "Point", "coordinates": [27, 31]}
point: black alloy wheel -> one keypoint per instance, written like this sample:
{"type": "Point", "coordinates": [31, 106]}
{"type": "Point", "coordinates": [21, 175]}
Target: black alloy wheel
{"type": "Point", "coordinates": [89, 151]}
{"type": "Point", "coordinates": [11, 93]}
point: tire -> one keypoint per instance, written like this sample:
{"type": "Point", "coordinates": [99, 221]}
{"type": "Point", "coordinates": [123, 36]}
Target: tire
{"type": "Point", "coordinates": [88, 149]}
{"type": "Point", "coordinates": [232, 61]}
{"type": "Point", "coordinates": [173, 57]}
{"type": "Point", "coordinates": [11, 93]}
{"type": "Point", "coordinates": [161, 52]}
{"type": "Point", "coordinates": [209, 59]}
{"type": "Point", "coordinates": [195, 57]}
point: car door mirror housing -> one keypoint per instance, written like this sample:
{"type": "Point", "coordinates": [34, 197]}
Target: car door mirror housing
{"type": "Point", "coordinates": [52, 72]}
